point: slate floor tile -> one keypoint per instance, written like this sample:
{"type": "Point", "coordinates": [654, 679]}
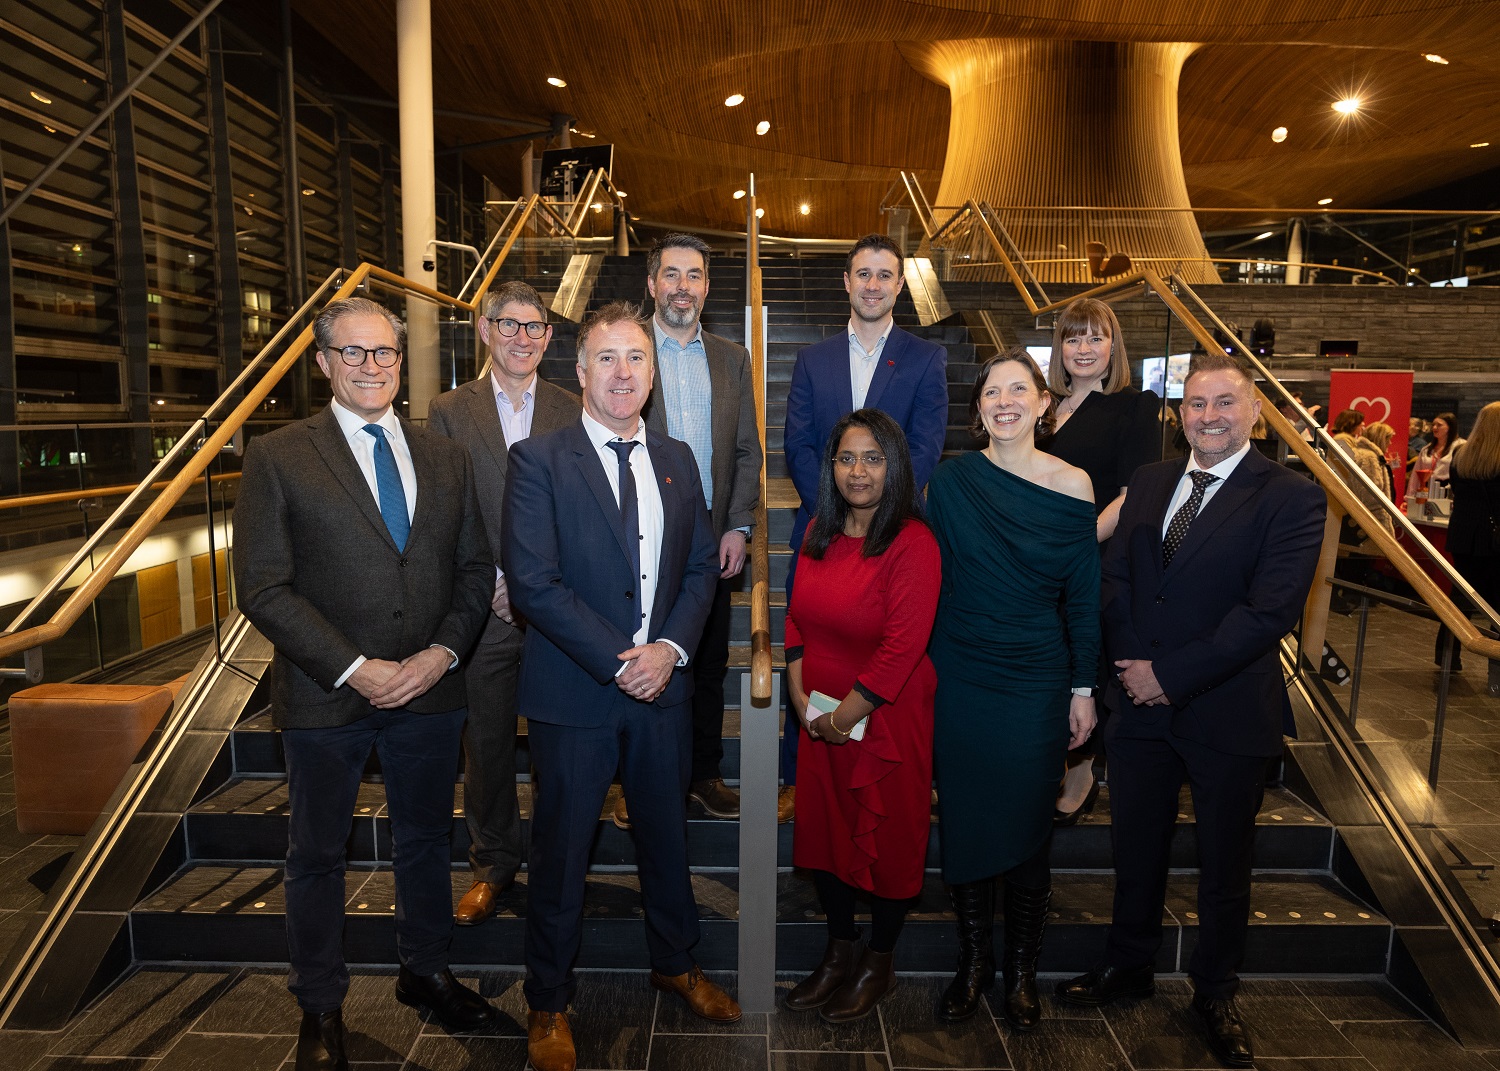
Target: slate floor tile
{"type": "Point", "coordinates": [1283, 1022]}
{"type": "Point", "coordinates": [1066, 1045]}
{"type": "Point", "coordinates": [377, 1027]}
{"type": "Point", "coordinates": [144, 1015]}
{"type": "Point", "coordinates": [1160, 1032]}
{"type": "Point", "coordinates": [252, 1002]}
{"type": "Point", "coordinates": [220, 1052]}
{"type": "Point", "coordinates": [702, 1052]}
{"type": "Point", "coordinates": [1403, 1046]}
{"type": "Point", "coordinates": [611, 1017]}
{"type": "Point", "coordinates": [1357, 1001]}
{"type": "Point", "coordinates": [433, 1053]}
{"type": "Point", "coordinates": [806, 1032]}
{"type": "Point", "coordinates": [916, 1038]}
{"type": "Point", "coordinates": [828, 1061]}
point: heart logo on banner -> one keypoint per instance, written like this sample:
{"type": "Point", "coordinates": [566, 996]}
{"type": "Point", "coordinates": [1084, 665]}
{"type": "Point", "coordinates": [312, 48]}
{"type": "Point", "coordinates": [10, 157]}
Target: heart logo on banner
{"type": "Point", "coordinates": [1367, 406]}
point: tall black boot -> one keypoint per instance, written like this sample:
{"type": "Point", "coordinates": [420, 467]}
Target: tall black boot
{"type": "Point", "coordinates": [974, 904]}
{"type": "Point", "coordinates": [1025, 919]}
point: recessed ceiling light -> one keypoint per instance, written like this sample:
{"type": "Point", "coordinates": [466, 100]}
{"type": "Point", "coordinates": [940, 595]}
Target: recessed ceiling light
{"type": "Point", "coordinates": [734, 99]}
{"type": "Point", "coordinates": [1325, 201]}
{"type": "Point", "coordinates": [759, 212]}
{"type": "Point", "coordinates": [763, 127]}
{"type": "Point", "coordinates": [1347, 106]}
{"type": "Point", "coordinates": [1278, 135]}
{"type": "Point", "coordinates": [804, 208]}
{"type": "Point", "coordinates": [40, 98]}
{"type": "Point", "coordinates": [1264, 234]}
{"type": "Point", "coordinates": [49, 129]}
{"type": "Point", "coordinates": [1479, 145]}
{"type": "Point", "coordinates": [309, 192]}
{"type": "Point", "coordinates": [1433, 57]}
{"type": "Point", "coordinates": [558, 82]}
{"type": "Point", "coordinates": [622, 193]}
{"type": "Point", "coordinates": [161, 401]}
{"type": "Point", "coordinates": [738, 194]}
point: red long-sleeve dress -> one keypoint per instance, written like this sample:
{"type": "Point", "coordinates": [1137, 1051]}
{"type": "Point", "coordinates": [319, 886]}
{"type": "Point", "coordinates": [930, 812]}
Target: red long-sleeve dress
{"type": "Point", "coordinates": [863, 808]}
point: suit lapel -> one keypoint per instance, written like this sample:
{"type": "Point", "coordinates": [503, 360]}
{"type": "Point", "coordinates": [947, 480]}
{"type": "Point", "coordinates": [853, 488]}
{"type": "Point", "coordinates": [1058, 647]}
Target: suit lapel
{"type": "Point", "coordinates": [328, 439]}
{"type": "Point", "coordinates": [486, 417]}
{"type": "Point", "coordinates": [719, 390]}
{"type": "Point", "coordinates": [592, 468]}
{"type": "Point", "coordinates": [1243, 483]}
{"type": "Point", "coordinates": [1161, 501]}
{"type": "Point", "coordinates": [672, 550]}
{"type": "Point", "coordinates": [885, 367]}
{"type": "Point", "coordinates": [555, 408]}
{"type": "Point", "coordinates": [423, 465]}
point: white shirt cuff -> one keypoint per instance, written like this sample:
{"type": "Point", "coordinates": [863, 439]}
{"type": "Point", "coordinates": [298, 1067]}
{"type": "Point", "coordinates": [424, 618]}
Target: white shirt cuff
{"type": "Point", "coordinates": [682, 658]}
{"type": "Point", "coordinates": [350, 671]}
{"type": "Point", "coordinates": [452, 658]}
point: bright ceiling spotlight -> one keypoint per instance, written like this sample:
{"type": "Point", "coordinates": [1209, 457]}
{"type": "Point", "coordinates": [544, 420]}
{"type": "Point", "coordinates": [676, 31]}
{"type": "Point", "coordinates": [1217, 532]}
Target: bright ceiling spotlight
{"type": "Point", "coordinates": [1279, 135]}
{"type": "Point", "coordinates": [1433, 57]}
{"type": "Point", "coordinates": [763, 127]}
{"type": "Point", "coordinates": [558, 82]}
{"type": "Point", "coordinates": [1479, 145]}
{"type": "Point", "coordinates": [309, 192]}
{"type": "Point", "coordinates": [40, 98]}
{"type": "Point", "coordinates": [734, 100]}
{"type": "Point", "coordinates": [1347, 106]}
{"type": "Point", "coordinates": [1325, 201]}
{"type": "Point", "coordinates": [804, 208]}
{"type": "Point", "coordinates": [738, 194]}
{"type": "Point", "coordinates": [622, 193]}
{"type": "Point", "coordinates": [759, 212]}
{"type": "Point", "coordinates": [1264, 234]}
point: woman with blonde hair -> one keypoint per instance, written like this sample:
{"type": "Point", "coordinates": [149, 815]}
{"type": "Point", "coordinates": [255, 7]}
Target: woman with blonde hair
{"type": "Point", "coordinates": [1474, 525]}
{"type": "Point", "coordinates": [1348, 431]}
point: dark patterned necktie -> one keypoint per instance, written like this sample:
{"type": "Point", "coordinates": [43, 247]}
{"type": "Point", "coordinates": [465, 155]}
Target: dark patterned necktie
{"type": "Point", "coordinates": [1177, 530]}
{"type": "Point", "coordinates": [629, 503]}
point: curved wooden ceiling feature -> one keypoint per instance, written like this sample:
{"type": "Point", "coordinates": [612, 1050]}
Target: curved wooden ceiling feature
{"type": "Point", "coordinates": [1069, 123]}
{"type": "Point", "coordinates": [848, 108]}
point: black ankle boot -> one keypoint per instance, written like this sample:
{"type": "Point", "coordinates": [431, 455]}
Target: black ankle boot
{"type": "Point", "coordinates": [1025, 919]}
{"type": "Point", "coordinates": [814, 990]}
{"type": "Point", "coordinates": [974, 904]}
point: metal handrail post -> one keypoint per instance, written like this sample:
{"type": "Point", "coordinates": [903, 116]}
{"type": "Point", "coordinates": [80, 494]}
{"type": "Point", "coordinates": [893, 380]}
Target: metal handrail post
{"type": "Point", "coordinates": [1359, 658]}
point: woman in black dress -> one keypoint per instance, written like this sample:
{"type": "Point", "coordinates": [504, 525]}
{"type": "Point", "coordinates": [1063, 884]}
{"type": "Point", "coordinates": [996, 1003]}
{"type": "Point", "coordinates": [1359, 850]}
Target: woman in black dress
{"type": "Point", "coordinates": [1108, 429]}
{"type": "Point", "coordinates": [1474, 525]}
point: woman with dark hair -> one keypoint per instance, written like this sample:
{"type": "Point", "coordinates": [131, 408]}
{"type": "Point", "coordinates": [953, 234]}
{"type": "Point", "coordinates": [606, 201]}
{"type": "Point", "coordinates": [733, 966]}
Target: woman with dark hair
{"type": "Point", "coordinates": [1107, 428]}
{"type": "Point", "coordinates": [1016, 647]}
{"type": "Point", "coordinates": [1431, 465]}
{"type": "Point", "coordinates": [1474, 524]}
{"type": "Point", "coordinates": [858, 672]}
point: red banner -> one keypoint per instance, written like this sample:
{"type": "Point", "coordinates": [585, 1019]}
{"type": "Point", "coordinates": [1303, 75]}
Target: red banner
{"type": "Point", "coordinates": [1384, 397]}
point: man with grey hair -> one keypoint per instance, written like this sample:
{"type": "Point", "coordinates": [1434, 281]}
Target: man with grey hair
{"type": "Point", "coordinates": [360, 554]}
{"type": "Point", "coordinates": [611, 560]}
{"type": "Point", "coordinates": [489, 416]}
{"type": "Point", "coordinates": [704, 396]}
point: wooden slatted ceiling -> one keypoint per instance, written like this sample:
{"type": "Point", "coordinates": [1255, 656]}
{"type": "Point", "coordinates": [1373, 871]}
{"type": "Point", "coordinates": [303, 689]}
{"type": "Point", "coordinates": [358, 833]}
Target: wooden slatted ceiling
{"type": "Point", "coordinates": [848, 108]}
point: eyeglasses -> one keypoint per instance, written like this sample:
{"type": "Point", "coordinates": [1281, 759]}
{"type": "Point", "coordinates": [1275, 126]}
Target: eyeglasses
{"type": "Point", "coordinates": [508, 327]}
{"type": "Point", "coordinates": [871, 461]}
{"type": "Point", "coordinates": [354, 356]}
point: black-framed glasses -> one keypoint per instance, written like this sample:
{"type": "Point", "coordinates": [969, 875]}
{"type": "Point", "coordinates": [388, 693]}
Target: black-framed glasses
{"type": "Point", "coordinates": [508, 327]}
{"type": "Point", "coordinates": [354, 356]}
{"type": "Point", "coordinates": [870, 461]}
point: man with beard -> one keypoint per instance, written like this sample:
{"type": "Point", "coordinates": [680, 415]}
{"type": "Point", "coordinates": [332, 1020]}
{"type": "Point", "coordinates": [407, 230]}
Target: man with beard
{"type": "Point", "coordinates": [703, 396]}
{"type": "Point", "coordinates": [1207, 571]}
{"type": "Point", "coordinates": [876, 365]}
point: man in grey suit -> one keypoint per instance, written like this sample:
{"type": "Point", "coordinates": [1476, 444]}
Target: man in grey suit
{"type": "Point", "coordinates": [361, 555]}
{"type": "Point", "coordinates": [489, 416]}
{"type": "Point", "coordinates": [704, 396]}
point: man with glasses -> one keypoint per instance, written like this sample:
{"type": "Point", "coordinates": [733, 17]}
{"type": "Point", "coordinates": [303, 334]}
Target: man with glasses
{"type": "Point", "coordinates": [703, 396]}
{"type": "Point", "coordinates": [488, 417]}
{"type": "Point", "coordinates": [361, 556]}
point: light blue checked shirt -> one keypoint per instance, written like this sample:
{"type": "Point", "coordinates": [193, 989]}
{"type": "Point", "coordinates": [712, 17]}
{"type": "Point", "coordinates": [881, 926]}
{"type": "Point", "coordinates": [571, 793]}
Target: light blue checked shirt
{"type": "Point", "coordinates": [688, 395]}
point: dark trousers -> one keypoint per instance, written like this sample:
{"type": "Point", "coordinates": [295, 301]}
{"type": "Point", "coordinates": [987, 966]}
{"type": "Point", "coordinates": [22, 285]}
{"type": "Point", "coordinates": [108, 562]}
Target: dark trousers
{"type": "Point", "coordinates": [490, 811]}
{"type": "Point", "coordinates": [1145, 776]}
{"type": "Point", "coordinates": [418, 754]}
{"type": "Point", "coordinates": [651, 747]}
{"type": "Point", "coordinates": [709, 664]}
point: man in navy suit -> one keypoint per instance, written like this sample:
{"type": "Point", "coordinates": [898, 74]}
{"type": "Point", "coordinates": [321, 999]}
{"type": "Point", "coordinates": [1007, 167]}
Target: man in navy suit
{"type": "Point", "coordinates": [1208, 569]}
{"type": "Point", "coordinates": [612, 561]}
{"type": "Point", "coordinates": [873, 364]}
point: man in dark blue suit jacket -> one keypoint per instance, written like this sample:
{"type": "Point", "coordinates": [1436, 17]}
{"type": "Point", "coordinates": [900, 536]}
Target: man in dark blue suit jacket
{"type": "Point", "coordinates": [873, 364]}
{"type": "Point", "coordinates": [1208, 569]}
{"type": "Point", "coordinates": [612, 561]}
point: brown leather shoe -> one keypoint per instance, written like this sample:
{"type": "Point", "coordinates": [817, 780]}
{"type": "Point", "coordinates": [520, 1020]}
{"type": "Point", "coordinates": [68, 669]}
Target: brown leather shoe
{"type": "Point", "coordinates": [814, 990]}
{"type": "Point", "coordinates": [786, 804]}
{"type": "Point", "coordinates": [620, 816]}
{"type": "Point", "coordinates": [715, 797]}
{"type": "Point", "coordinates": [549, 1041]}
{"type": "Point", "coordinates": [706, 1000]}
{"type": "Point", "coordinates": [477, 904]}
{"type": "Point", "coordinates": [873, 977]}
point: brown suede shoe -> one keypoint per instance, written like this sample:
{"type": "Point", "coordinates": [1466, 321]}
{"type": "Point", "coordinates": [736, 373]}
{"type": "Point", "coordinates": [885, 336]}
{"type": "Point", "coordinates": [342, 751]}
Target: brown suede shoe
{"type": "Point", "coordinates": [786, 804]}
{"type": "Point", "coordinates": [715, 797]}
{"type": "Point", "coordinates": [549, 1041]}
{"type": "Point", "coordinates": [706, 1000]}
{"type": "Point", "coordinates": [477, 904]}
{"type": "Point", "coordinates": [872, 978]}
{"type": "Point", "coordinates": [620, 816]}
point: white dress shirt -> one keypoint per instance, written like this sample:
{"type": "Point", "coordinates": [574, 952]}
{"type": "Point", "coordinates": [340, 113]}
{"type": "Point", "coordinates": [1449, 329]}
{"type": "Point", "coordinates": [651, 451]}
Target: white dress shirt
{"type": "Point", "coordinates": [515, 423]}
{"type": "Point", "coordinates": [1185, 485]}
{"type": "Point", "coordinates": [648, 511]}
{"type": "Point", "coordinates": [862, 363]}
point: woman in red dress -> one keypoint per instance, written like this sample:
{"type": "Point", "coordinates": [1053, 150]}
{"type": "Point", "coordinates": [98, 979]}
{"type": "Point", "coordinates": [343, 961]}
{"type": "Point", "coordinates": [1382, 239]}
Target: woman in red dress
{"type": "Point", "coordinates": [856, 631]}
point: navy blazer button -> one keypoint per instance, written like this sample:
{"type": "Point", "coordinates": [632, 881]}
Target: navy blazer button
{"type": "Point", "coordinates": [403, 563]}
{"type": "Point", "coordinates": [1161, 598]}
{"type": "Point", "coordinates": [1156, 643]}
{"type": "Point", "coordinates": [396, 614]}
{"type": "Point", "coordinates": [630, 594]}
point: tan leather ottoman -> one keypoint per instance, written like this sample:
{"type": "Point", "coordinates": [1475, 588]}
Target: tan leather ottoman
{"type": "Point", "coordinates": [71, 744]}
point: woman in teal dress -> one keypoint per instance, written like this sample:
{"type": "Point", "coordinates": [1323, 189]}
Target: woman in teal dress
{"type": "Point", "coordinates": [1016, 648]}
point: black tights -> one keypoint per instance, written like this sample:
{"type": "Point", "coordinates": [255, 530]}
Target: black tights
{"type": "Point", "coordinates": [1034, 873]}
{"type": "Point", "coordinates": [837, 898]}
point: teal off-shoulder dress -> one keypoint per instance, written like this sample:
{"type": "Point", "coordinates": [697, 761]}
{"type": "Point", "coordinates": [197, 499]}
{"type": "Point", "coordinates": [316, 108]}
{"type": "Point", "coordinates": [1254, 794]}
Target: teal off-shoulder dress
{"type": "Point", "coordinates": [1017, 628]}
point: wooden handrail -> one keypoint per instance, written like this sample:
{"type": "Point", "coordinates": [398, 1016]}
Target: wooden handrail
{"type": "Point", "coordinates": [53, 497]}
{"type": "Point", "coordinates": [760, 556]}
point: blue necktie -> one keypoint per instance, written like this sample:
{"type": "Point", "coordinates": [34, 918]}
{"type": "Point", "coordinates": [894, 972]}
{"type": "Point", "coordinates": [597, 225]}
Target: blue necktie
{"type": "Point", "coordinates": [629, 504]}
{"type": "Point", "coordinates": [392, 494]}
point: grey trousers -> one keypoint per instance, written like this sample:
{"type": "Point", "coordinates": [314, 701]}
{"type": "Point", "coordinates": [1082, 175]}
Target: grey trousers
{"type": "Point", "coordinates": [490, 811]}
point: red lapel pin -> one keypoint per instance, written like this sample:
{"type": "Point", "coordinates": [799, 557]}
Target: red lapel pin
{"type": "Point", "coordinates": [891, 363]}
{"type": "Point", "coordinates": [668, 479]}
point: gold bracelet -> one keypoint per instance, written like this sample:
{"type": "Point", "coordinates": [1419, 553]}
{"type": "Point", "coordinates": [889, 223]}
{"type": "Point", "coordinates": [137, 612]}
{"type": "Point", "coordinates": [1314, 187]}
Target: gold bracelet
{"type": "Point", "coordinates": [835, 725]}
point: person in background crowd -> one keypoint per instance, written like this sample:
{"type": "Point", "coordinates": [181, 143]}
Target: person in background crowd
{"type": "Point", "coordinates": [1431, 464]}
{"type": "Point", "coordinates": [1016, 647]}
{"type": "Point", "coordinates": [488, 417]}
{"type": "Point", "coordinates": [857, 632]}
{"type": "Point", "coordinates": [1474, 524]}
{"type": "Point", "coordinates": [872, 365]}
{"type": "Point", "coordinates": [1361, 453]}
{"type": "Point", "coordinates": [1107, 428]}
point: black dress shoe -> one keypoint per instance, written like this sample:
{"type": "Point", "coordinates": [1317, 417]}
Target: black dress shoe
{"type": "Point", "coordinates": [1102, 985]}
{"type": "Point", "coordinates": [453, 1004]}
{"type": "Point", "coordinates": [320, 1042]}
{"type": "Point", "coordinates": [1064, 819]}
{"type": "Point", "coordinates": [1227, 1034]}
